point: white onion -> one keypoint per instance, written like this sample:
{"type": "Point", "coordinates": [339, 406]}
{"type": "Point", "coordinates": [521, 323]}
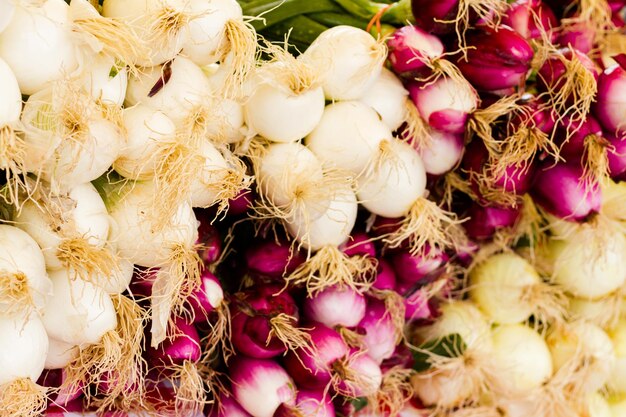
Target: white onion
{"type": "Point", "coordinates": [442, 152]}
{"type": "Point", "coordinates": [105, 80]}
{"type": "Point", "coordinates": [23, 347]}
{"type": "Point", "coordinates": [617, 381]}
{"type": "Point", "coordinates": [11, 98]}
{"type": "Point", "coordinates": [60, 354]}
{"type": "Point", "coordinates": [387, 96]}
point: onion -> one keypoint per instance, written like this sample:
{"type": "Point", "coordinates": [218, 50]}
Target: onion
{"type": "Point", "coordinates": [617, 381]}
{"type": "Point", "coordinates": [388, 97]}
{"type": "Point", "coordinates": [105, 80]}
{"type": "Point", "coordinates": [310, 403]}
{"type": "Point", "coordinates": [410, 48]}
{"type": "Point", "coordinates": [335, 306]}
{"type": "Point", "coordinates": [381, 334]}
{"type": "Point", "coordinates": [441, 153]}
{"type": "Point", "coordinates": [531, 18]}
{"type": "Point", "coordinates": [271, 259]}
{"type": "Point", "coordinates": [207, 298]}
{"type": "Point", "coordinates": [484, 222]}
{"type": "Point", "coordinates": [610, 103]}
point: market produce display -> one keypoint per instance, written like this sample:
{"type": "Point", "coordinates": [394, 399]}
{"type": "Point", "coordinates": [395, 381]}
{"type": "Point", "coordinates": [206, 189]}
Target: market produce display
{"type": "Point", "coordinates": [290, 208]}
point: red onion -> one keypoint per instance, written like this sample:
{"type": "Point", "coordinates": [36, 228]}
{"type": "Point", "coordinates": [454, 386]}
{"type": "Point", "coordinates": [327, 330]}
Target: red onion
{"type": "Point", "coordinates": [208, 237]}
{"type": "Point", "coordinates": [363, 375]}
{"type": "Point", "coordinates": [530, 18]}
{"type": "Point", "coordinates": [580, 36]}
{"type": "Point", "coordinates": [335, 306]}
{"type": "Point", "coordinates": [241, 203]}
{"type": "Point", "coordinates": [441, 153]}
{"type": "Point", "coordinates": [432, 15]}
{"type": "Point", "coordinates": [484, 222]}
{"type": "Point", "coordinates": [402, 356]}
{"type": "Point", "coordinates": [72, 407]}
{"type": "Point", "coordinates": [359, 244]}
{"type": "Point", "coordinates": [380, 333]}
{"type": "Point", "coordinates": [559, 189]}
{"type": "Point", "coordinates": [260, 316]}
{"type": "Point", "coordinates": [611, 99]}
{"type": "Point", "coordinates": [385, 277]}
{"type": "Point", "coordinates": [410, 48]}
{"type": "Point", "coordinates": [498, 58]}
{"type": "Point", "coordinates": [416, 302]}
{"type": "Point", "coordinates": [60, 396]}
{"type": "Point", "coordinates": [183, 344]}
{"type": "Point", "coordinates": [272, 260]}
{"type": "Point", "coordinates": [445, 104]}
{"type": "Point", "coordinates": [313, 369]}
{"type": "Point", "coordinates": [415, 268]}
{"type": "Point", "coordinates": [260, 386]}
{"type": "Point", "coordinates": [206, 298]}
{"type": "Point", "coordinates": [227, 406]}
{"type": "Point", "coordinates": [616, 154]}
{"type": "Point", "coordinates": [309, 403]}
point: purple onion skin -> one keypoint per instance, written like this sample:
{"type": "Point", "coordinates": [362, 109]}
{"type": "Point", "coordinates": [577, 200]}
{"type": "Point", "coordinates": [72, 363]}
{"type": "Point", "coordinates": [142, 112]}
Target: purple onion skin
{"type": "Point", "coordinates": [401, 356]}
{"type": "Point", "coordinates": [610, 108]}
{"type": "Point", "coordinates": [209, 293]}
{"type": "Point", "coordinates": [54, 378]}
{"type": "Point", "coordinates": [335, 306]}
{"type": "Point", "coordinates": [572, 134]}
{"type": "Point", "coordinates": [616, 5]}
{"type": "Point", "coordinates": [430, 15]}
{"type": "Point", "coordinates": [310, 403]}
{"type": "Point", "coordinates": [362, 364]}
{"type": "Point", "coordinates": [359, 244]}
{"type": "Point", "coordinates": [208, 237]}
{"type": "Point", "coordinates": [272, 260]}
{"type": "Point", "coordinates": [385, 276]}
{"type": "Point", "coordinates": [241, 203]}
{"type": "Point", "coordinates": [183, 344]}
{"type": "Point", "coordinates": [444, 119]}
{"type": "Point", "coordinates": [75, 406]}
{"type": "Point", "coordinates": [499, 58]}
{"type": "Point", "coordinates": [250, 321]}
{"type": "Point", "coordinates": [558, 189]}
{"type": "Point", "coordinates": [406, 49]}
{"type": "Point", "coordinates": [452, 121]}
{"type": "Point", "coordinates": [414, 269]}
{"type": "Point", "coordinates": [483, 222]}
{"type": "Point", "coordinates": [312, 370]}
{"type": "Point", "coordinates": [617, 156]}
{"type": "Point", "coordinates": [379, 333]}
{"type": "Point", "coordinates": [553, 73]}
{"type": "Point", "coordinates": [416, 303]}
{"type": "Point", "coordinates": [228, 407]}
{"type": "Point", "coordinates": [580, 36]}
{"type": "Point", "coordinates": [465, 255]}
{"type": "Point", "coordinates": [520, 17]}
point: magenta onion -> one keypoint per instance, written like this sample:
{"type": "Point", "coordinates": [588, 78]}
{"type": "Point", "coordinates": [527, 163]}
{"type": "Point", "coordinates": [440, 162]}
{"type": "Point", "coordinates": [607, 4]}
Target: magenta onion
{"type": "Point", "coordinates": [416, 301]}
{"type": "Point", "coordinates": [257, 314]}
{"type": "Point", "coordinates": [385, 277]}
{"type": "Point", "coordinates": [530, 18]}
{"type": "Point", "coordinates": [310, 404]}
{"type": "Point", "coordinates": [441, 153]}
{"type": "Point", "coordinates": [497, 59]}
{"type": "Point", "coordinates": [580, 36]}
{"type": "Point", "coordinates": [207, 297]}
{"type": "Point", "coordinates": [364, 375]}
{"type": "Point", "coordinates": [414, 269]}
{"type": "Point", "coordinates": [260, 386]}
{"type": "Point", "coordinates": [241, 203]}
{"type": "Point", "coordinates": [227, 406]}
{"type": "Point", "coordinates": [335, 306]}
{"type": "Point", "coordinates": [271, 259]}
{"type": "Point", "coordinates": [574, 136]}
{"type": "Point", "coordinates": [314, 369]}
{"type": "Point", "coordinates": [445, 104]}
{"type": "Point", "coordinates": [59, 395]}
{"type": "Point", "coordinates": [359, 244]}
{"type": "Point", "coordinates": [208, 238]}
{"type": "Point", "coordinates": [616, 154]}
{"type": "Point", "coordinates": [611, 99]}
{"type": "Point", "coordinates": [559, 189]}
{"type": "Point", "coordinates": [379, 333]}
{"type": "Point", "coordinates": [181, 346]}
{"type": "Point", "coordinates": [435, 15]}
{"type": "Point", "coordinates": [410, 48]}
{"type": "Point", "coordinates": [483, 222]}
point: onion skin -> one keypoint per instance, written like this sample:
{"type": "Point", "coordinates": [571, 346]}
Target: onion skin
{"type": "Point", "coordinates": [335, 306]}
{"type": "Point", "coordinates": [414, 268]}
{"type": "Point", "coordinates": [483, 222]}
{"type": "Point", "coordinates": [430, 14]}
{"type": "Point", "coordinates": [416, 302]}
{"type": "Point", "coordinates": [359, 244]}
{"type": "Point", "coordinates": [271, 259]}
{"type": "Point", "coordinates": [610, 108]}
{"type": "Point", "coordinates": [206, 298]}
{"type": "Point", "coordinates": [380, 334]}
{"type": "Point", "coordinates": [385, 276]}
{"type": "Point", "coordinates": [558, 189]}
{"type": "Point", "coordinates": [310, 403]}
{"type": "Point", "coordinates": [580, 36]}
{"type": "Point", "coordinates": [181, 346]}
{"type": "Point", "coordinates": [572, 135]}
{"type": "Point", "coordinates": [553, 73]}
{"type": "Point", "coordinates": [241, 203]}
{"type": "Point", "coordinates": [208, 237]}
{"type": "Point", "coordinates": [251, 315]}
{"type": "Point", "coordinates": [499, 58]}
{"type": "Point", "coordinates": [617, 156]}
{"type": "Point", "coordinates": [520, 17]}
{"type": "Point", "coordinates": [410, 48]}
{"type": "Point", "coordinates": [228, 407]}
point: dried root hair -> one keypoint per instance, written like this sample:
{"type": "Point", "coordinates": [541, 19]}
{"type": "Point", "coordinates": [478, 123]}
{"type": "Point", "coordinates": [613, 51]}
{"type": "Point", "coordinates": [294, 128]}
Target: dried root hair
{"type": "Point", "coordinates": [416, 129]}
{"type": "Point", "coordinates": [609, 314]}
{"type": "Point", "coordinates": [490, 191]}
{"type": "Point", "coordinates": [427, 225]}
{"type": "Point", "coordinates": [218, 339]}
{"type": "Point", "coordinates": [239, 54]}
{"type": "Point", "coordinates": [233, 180]}
{"type": "Point", "coordinates": [166, 23]}
{"type": "Point", "coordinates": [15, 292]}
{"type": "Point", "coordinates": [595, 13]}
{"type": "Point", "coordinates": [441, 67]}
{"type": "Point", "coordinates": [342, 372]}
{"type": "Point", "coordinates": [284, 328]}
{"type": "Point", "coordinates": [549, 301]}
{"type": "Point", "coordinates": [395, 390]}
{"type": "Point", "coordinates": [595, 160]}
{"type": "Point", "coordinates": [22, 398]}
{"type": "Point", "coordinates": [452, 182]}
{"type": "Point", "coordinates": [88, 262]}
{"type": "Point", "coordinates": [329, 267]}
{"type": "Point", "coordinates": [191, 394]}
{"type": "Point", "coordinates": [175, 281]}
{"type": "Point", "coordinates": [106, 35]}
{"type": "Point", "coordinates": [395, 309]}
{"type": "Point", "coordinates": [12, 161]}
{"type": "Point", "coordinates": [283, 70]}
{"type": "Point", "coordinates": [116, 359]}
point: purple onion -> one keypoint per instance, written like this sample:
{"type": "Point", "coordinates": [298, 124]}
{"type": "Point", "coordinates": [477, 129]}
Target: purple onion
{"type": "Point", "coordinates": [310, 403]}
{"type": "Point", "coordinates": [433, 15]}
{"type": "Point", "coordinates": [182, 344]}
{"type": "Point", "coordinates": [414, 269]}
{"type": "Point", "coordinates": [498, 58]}
{"type": "Point", "coordinates": [560, 190]}
{"type": "Point", "coordinates": [359, 244]}
{"type": "Point", "coordinates": [60, 396]}
{"type": "Point", "coordinates": [271, 259]}
{"type": "Point", "coordinates": [75, 406]}
{"type": "Point", "coordinates": [573, 136]}
{"type": "Point", "coordinates": [227, 406]}
{"type": "Point", "coordinates": [410, 48]}
{"type": "Point", "coordinates": [416, 302]}
{"type": "Point", "coordinates": [483, 222]}
{"type": "Point", "coordinates": [610, 108]}
{"type": "Point", "coordinates": [465, 255]}
{"type": "Point", "coordinates": [313, 369]}
{"type": "Point", "coordinates": [241, 203]}
{"type": "Point", "coordinates": [379, 332]}
{"type": "Point", "coordinates": [260, 386]}
{"type": "Point", "coordinates": [252, 312]}
{"type": "Point", "coordinates": [442, 153]}
{"type": "Point", "coordinates": [385, 276]}
{"type": "Point", "coordinates": [616, 154]}
{"type": "Point", "coordinates": [402, 356]}
{"type": "Point", "coordinates": [521, 17]}
{"type": "Point", "coordinates": [335, 306]}
{"type": "Point", "coordinates": [445, 104]}
{"type": "Point", "coordinates": [580, 36]}
{"type": "Point", "coordinates": [553, 73]}
{"type": "Point", "coordinates": [208, 237]}
{"type": "Point", "coordinates": [206, 298]}
{"type": "Point", "coordinates": [369, 374]}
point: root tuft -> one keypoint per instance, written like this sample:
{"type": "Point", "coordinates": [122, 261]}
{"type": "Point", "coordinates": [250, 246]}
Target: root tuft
{"type": "Point", "coordinates": [22, 398]}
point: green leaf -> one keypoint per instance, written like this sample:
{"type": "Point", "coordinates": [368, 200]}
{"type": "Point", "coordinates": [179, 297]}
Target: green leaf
{"type": "Point", "coordinates": [449, 346]}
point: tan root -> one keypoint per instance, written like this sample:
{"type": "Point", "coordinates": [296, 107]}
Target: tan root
{"type": "Point", "coordinates": [454, 182]}
{"type": "Point", "coordinates": [395, 309]}
{"type": "Point", "coordinates": [427, 225]}
{"type": "Point", "coordinates": [596, 160]}
{"type": "Point", "coordinates": [239, 54]}
{"type": "Point", "coordinates": [22, 398]}
{"type": "Point", "coordinates": [232, 181]}
{"type": "Point", "coordinates": [345, 379]}
{"type": "Point", "coordinates": [395, 390]}
{"type": "Point", "coordinates": [175, 281]}
{"type": "Point", "coordinates": [14, 292]}
{"type": "Point", "coordinates": [12, 159]}
{"type": "Point", "coordinates": [167, 23]}
{"type": "Point", "coordinates": [416, 130]}
{"type": "Point", "coordinates": [285, 70]}
{"type": "Point", "coordinates": [491, 191]}
{"type": "Point", "coordinates": [219, 336]}
{"type": "Point", "coordinates": [283, 327]}
{"type": "Point", "coordinates": [189, 388]}
{"type": "Point", "coordinates": [329, 267]}
{"type": "Point", "coordinates": [595, 14]}
{"type": "Point", "coordinates": [483, 120]}
{"type": "Point", "coordinates": [88, 262]}
{"type": "Point", "coordinates": [106, 35]}
{"type": "Point", "coordinates": [351, 337]}
{"type": "Point", "coordinates": [441, 67]}
{"type": "Point", "coordinates": [549, 300]}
